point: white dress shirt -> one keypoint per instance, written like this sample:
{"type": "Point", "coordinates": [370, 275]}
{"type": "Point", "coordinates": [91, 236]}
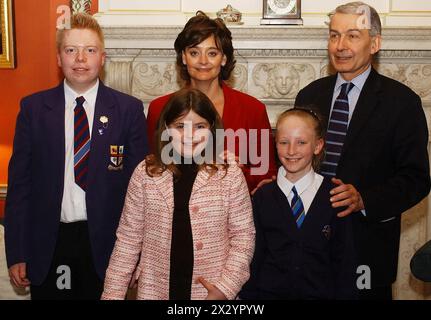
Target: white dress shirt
{"type": "Point", "coordinates": [354, 93]}
{"type": "Point", "coordinates": [306, 187]}
{"type": "Point", "coordinates": [73, 206]}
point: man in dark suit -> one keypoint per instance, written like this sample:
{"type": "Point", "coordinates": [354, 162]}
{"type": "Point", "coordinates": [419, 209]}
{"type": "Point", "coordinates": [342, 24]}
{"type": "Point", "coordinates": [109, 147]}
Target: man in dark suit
{"type": "Point", "coordinates": [380, 161]}
{"type": "Point", "coordinates": [75, 149]}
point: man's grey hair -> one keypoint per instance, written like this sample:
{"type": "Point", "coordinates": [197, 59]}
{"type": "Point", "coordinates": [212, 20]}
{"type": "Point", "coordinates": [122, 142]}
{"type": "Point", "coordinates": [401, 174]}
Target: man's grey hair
{"type": "Point", "coordinates": [360, 8]}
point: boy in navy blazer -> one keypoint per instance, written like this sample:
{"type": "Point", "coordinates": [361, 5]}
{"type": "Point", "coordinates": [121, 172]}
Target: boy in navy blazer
{"type": "Point", "coordinates": [75, 148]}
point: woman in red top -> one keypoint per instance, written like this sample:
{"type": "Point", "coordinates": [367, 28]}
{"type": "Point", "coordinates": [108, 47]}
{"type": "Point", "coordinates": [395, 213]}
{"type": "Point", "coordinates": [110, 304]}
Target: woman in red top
{"type": "Point", "coordinates": [205, 58]}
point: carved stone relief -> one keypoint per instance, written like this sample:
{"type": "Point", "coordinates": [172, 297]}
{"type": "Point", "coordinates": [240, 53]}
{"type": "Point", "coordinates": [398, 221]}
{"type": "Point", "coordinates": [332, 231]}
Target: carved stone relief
{"type": "Point", "coordinates": [151, 80]}
{"type": "Point", "coordinates": [416, 76]}
{"type": "Point", "coordinates": [281, 80]}
{"type": "Point", "coordinates": [238, 78]}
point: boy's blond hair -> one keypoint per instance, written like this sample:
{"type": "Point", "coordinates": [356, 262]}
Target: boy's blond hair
{"type": "Point", "coordinates": [82, 21]}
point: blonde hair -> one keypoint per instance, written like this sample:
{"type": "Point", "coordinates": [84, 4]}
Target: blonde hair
{"type": "Point", "coordinates": [81, 21]}
{"type": "Point", "coordinates": [309, 114]}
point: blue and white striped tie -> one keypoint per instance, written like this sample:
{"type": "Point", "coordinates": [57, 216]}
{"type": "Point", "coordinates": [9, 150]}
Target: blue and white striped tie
{"type": "Point", "coordinates": [297, 208]}
{"type": "Point", "coordinates": [337, 130]}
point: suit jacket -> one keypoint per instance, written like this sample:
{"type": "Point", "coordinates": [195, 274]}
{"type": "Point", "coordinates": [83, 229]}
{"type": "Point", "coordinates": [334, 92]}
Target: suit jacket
{"type": "Point", "coordinates": [222, 228]}
{"type": "Point", "coordinates": [316, 261]}
{"type": "Point", "coordinates": [241, 111]}
{"type": "Point", "coordinates": [385, 157]}
{"type": "Point", "coordinates": [36, 176]}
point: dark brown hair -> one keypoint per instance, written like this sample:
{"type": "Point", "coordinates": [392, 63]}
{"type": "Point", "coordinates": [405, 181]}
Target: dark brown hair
{"type": "Point", "coordinates": [179, 104]}
{"type": "Point", "coordinates": [196, 30]}
{"type": "Point", "coordinates": [316, 119]}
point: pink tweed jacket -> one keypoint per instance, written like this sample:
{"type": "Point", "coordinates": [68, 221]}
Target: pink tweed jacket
{"type": "Point", "coordinates": [222, 227]}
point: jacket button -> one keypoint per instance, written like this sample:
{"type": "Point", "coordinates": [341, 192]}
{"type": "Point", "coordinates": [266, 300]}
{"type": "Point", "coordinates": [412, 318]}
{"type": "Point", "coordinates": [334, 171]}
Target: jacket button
{"type": "Point", "coordinates": [199, 245]}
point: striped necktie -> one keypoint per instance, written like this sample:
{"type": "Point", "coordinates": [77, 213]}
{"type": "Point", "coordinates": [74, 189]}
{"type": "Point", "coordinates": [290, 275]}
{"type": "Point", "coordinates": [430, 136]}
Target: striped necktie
{"type": "Point", "coordinates": [337, 131]}
{"type": "Point", "coordinates": [297, 208]}
{"type": "Point", "coordinates": [81, 144]}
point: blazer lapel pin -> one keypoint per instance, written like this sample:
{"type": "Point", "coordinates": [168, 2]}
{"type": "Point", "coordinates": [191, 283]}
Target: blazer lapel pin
{"type": "Point", "coordinates": [104, 120]}
{"type": "Point", "coordinates": [327, 231]}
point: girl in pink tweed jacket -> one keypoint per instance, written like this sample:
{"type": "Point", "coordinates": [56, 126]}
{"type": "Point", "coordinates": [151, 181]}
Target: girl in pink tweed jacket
{"type": "Point", "coordinates": [219, 211]}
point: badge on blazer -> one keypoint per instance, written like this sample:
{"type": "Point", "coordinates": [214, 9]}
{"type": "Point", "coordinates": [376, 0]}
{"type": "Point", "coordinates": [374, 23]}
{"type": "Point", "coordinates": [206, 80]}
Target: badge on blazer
{"type": "Point", "coordinates": [116, 157]}
{"type": "Point", "coordinates": [104, 120]}
{"type": "Point", "coordinates": [327, 231]}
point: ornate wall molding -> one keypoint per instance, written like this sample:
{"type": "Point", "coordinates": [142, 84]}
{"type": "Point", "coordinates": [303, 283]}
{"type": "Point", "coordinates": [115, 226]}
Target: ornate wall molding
{"type": "Point", "coordinates": [274, 37]}
{"type": "Point", "coordinates": [273, 64]}
{"type": "Point", "coordinates": [81, 5]}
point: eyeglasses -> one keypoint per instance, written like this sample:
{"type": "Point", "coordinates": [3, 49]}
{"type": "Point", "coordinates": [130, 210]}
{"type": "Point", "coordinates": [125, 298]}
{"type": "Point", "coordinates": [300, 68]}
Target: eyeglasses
{"type": "Point", "coordinates": [74, 50]}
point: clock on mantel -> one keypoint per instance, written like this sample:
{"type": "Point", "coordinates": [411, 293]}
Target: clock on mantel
{"type": "Point", "coordinates": [281, 12]}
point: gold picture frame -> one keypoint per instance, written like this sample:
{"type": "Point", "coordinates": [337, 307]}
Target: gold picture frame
{"type": "Point", "coordinates": [7, 46]}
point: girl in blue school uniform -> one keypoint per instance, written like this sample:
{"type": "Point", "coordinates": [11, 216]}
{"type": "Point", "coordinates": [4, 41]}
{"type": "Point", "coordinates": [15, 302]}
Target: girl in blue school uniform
{"type": "Point", "coordinates": [303, 250]}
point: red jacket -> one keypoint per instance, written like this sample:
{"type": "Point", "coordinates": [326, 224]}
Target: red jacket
{"type": "Point", "coordinates": [240, 111]}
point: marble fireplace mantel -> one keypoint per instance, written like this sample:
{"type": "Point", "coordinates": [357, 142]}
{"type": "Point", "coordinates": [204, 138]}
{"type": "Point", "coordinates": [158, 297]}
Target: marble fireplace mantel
{"type": "Point", "coordinates": [273, 37]}
{"type": "Point", "coordinates": [273, 64]}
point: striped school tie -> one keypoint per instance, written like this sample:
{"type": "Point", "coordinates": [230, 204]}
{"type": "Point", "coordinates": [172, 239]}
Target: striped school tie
{"type": "Point", "coordinates": [297, 208]}
{"type": "Point", "coordinates": [81, 144]}
{"type": "Point", "coordinates": [337, 130]}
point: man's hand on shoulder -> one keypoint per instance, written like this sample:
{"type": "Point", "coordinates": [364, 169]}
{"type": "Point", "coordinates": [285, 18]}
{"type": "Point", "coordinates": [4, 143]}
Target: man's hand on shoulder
{"type": "Point", "coordinates": [345, 195]}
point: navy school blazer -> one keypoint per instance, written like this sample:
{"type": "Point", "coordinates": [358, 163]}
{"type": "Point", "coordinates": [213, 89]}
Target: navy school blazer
{"type": "Point", "coordinates": [316, 261]}
{"type": "Point", "coordinates": [36, 176]}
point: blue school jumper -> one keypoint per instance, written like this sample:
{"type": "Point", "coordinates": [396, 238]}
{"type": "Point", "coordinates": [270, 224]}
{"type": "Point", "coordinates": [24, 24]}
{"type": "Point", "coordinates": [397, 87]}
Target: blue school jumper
{"type": "Point", "coordinates": [315, 261]}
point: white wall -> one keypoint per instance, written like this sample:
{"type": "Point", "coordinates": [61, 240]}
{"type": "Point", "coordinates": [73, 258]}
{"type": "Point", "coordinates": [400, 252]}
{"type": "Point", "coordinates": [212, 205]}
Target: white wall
{"type": "Point", "coordinates": [176, 12]}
